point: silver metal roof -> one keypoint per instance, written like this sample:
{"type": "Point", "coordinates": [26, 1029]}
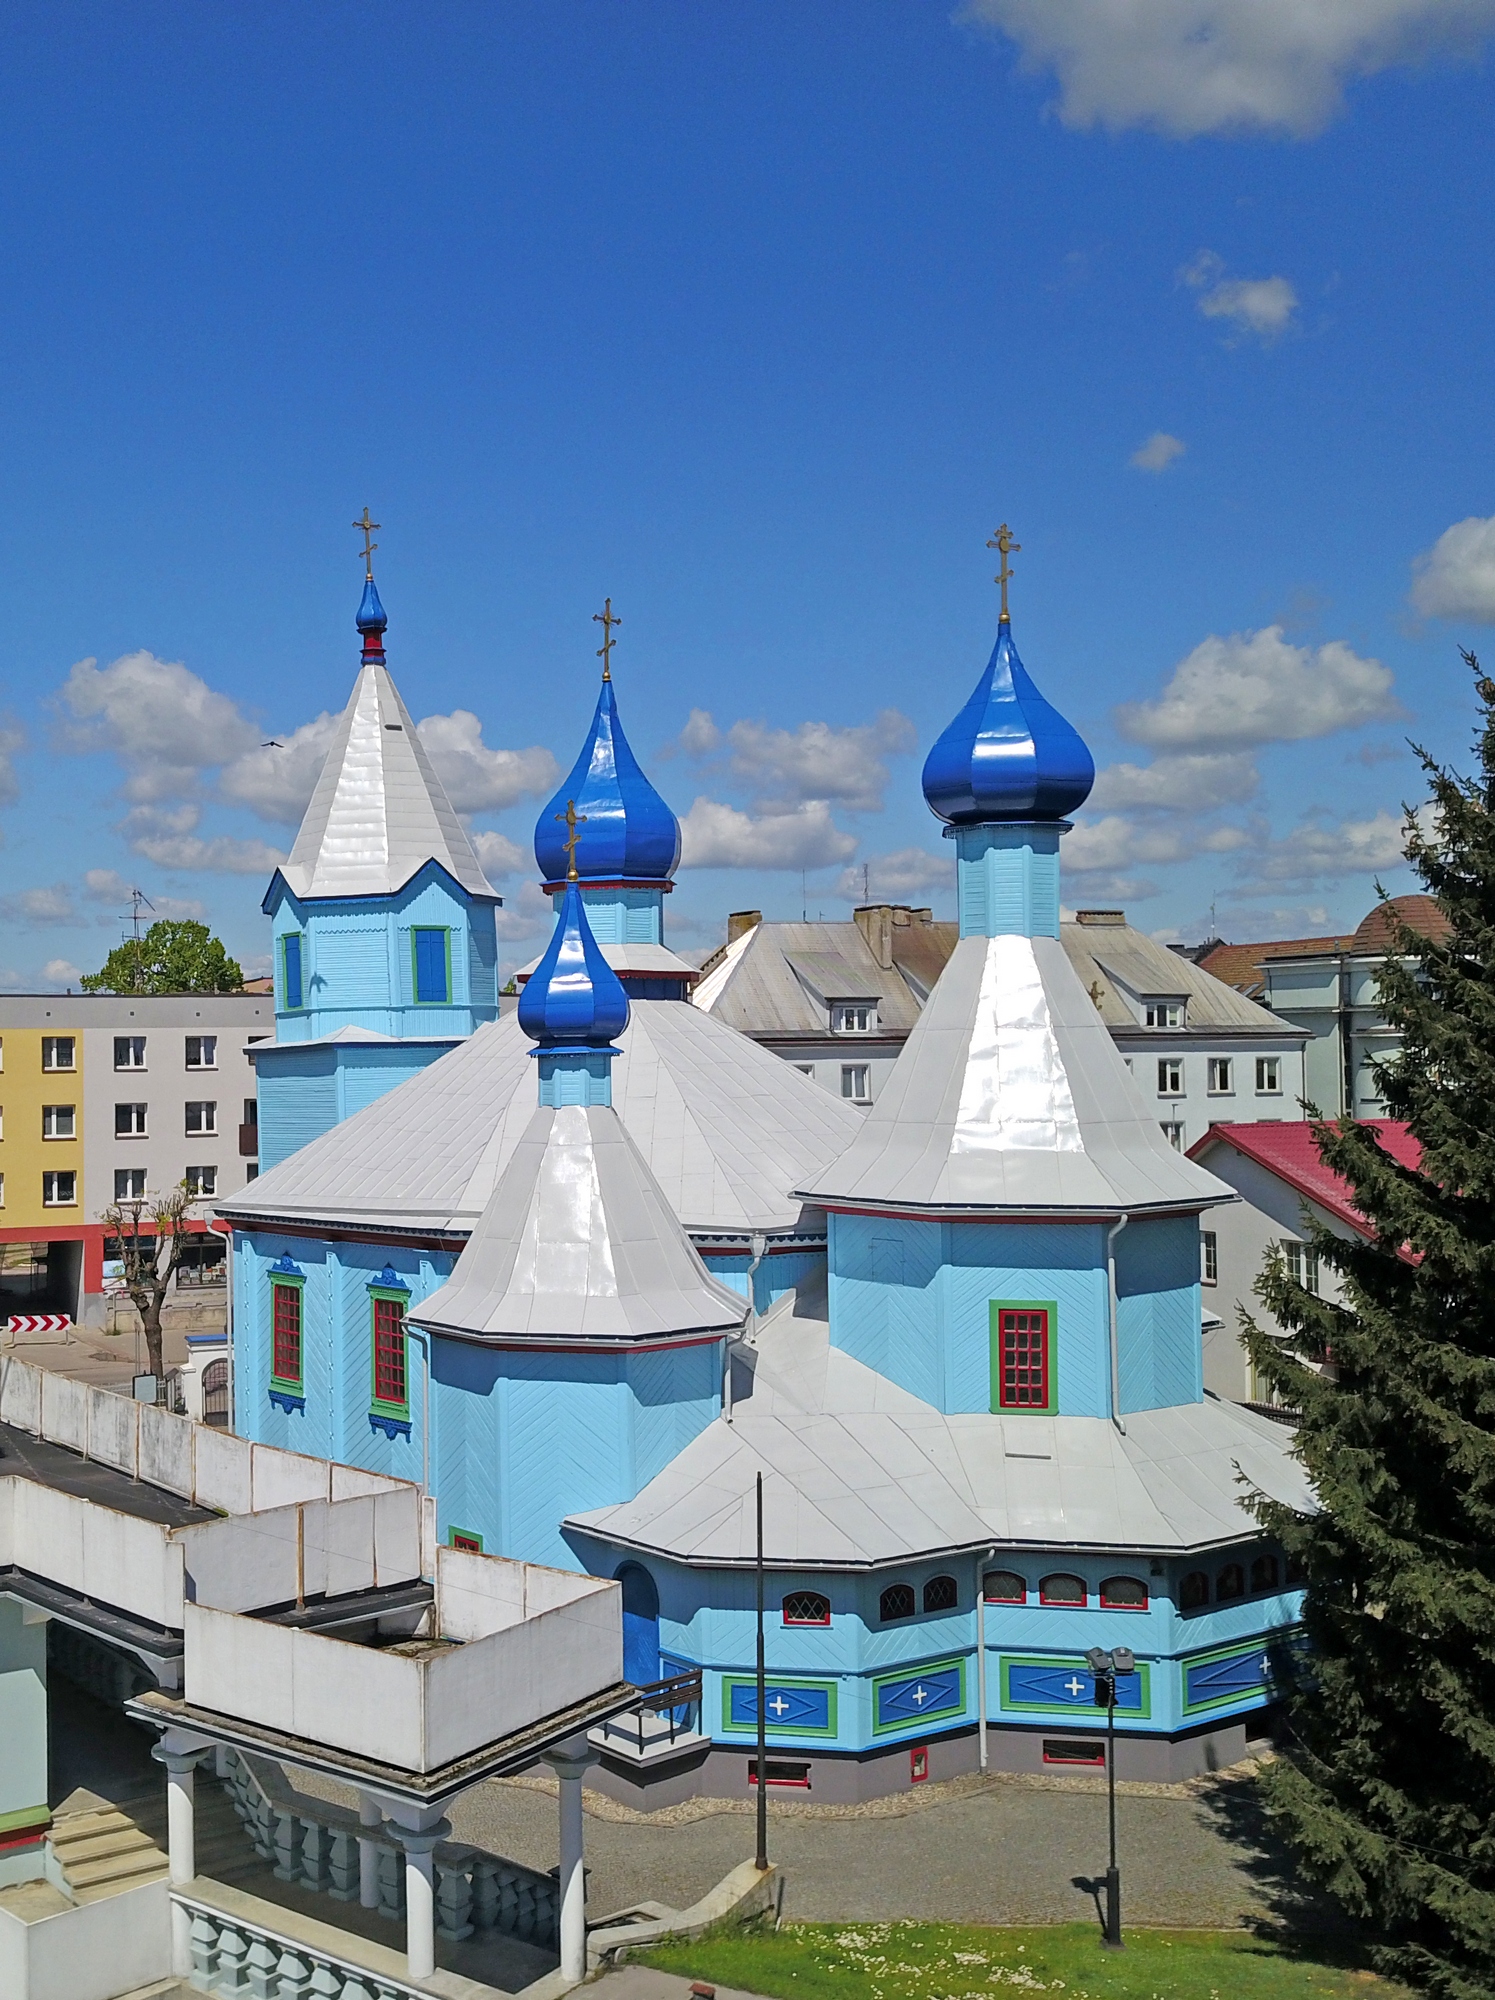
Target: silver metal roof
{"type": "Point", "coordinates": [728, 1131]}
{"type": "Point", "coordinates": [1112, 956]}
{"type": "Point", "coordinates": [1010, 1094]}
{"type": "Point", "coordinates": [857, 1472]}
{"type": "Point", "coordinates": [779, 978]}
{"type": "Point", "coordinates": [655, 960]}
{"type": "Point", "coordinates": [578, 1240]}
{"type": "Point", "coordinates": [379, 812]}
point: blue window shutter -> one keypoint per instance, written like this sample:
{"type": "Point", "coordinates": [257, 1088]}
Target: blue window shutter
{"type": "Point", "coordinates": [292, 948]}
{"type": "Point", "coordinates": [430, 965]}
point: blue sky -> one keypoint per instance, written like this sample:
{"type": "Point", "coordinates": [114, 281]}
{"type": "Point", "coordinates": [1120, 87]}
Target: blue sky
{"type": "Point", "coordinates": [759, 318]}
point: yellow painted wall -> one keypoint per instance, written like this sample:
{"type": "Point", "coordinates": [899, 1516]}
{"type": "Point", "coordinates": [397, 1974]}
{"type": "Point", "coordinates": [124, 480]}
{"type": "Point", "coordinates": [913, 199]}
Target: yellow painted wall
{"type": "Point", "coordinates": [24, 1155]}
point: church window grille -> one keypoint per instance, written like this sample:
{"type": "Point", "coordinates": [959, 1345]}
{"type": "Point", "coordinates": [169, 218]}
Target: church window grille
{"type": "Point", "coordinates": [941, 1594]}
{"type": "Point", "coordinates": [431, 950]}
{"type": "Point", "coordinates": [897, 1601]}
{"type": "Point", "coordinates": [1062, 1589]}
{"type": "Point", "coordinates": [1004, 1586]}
{"type": "Point", "coordinates": [291, 993]}
{"type": "Point", "coordinates": [1193, 1591]}
{"type": "Point", "coordinates": [1263, 1575]}
{"type": "Point", "coordinates": [391, 1388]}
{"type": "Point", "coordinates": [807, 1607]}
{"type": "Point", "coordinates": [1231, 1582]}
{"type": "Point", "coordinates": [1123, 1593]}
{"type": "Point", "coordinates": [285, 1363]}
{"type": "Point", "coordinates": [1021, 1362]}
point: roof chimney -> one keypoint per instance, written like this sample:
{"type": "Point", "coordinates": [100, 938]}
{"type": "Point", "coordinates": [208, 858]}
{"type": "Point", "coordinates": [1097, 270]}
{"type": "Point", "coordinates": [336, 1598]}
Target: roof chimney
{"type": "Point", "coordinates": [741, 922]}
{"type": "Point", "coordinates": [1100, 917]}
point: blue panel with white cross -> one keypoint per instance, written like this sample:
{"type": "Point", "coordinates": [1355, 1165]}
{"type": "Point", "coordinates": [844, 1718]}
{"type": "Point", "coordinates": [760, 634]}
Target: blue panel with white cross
{"type": "Point", "coordinates": [802, 1708]}
{"type": "Point", "coordinates": [1211, 1680]}
{"type": "Point", "coordinates": [901, 1701]}
{"type": "Point", "coordinates": [1065, 1684]}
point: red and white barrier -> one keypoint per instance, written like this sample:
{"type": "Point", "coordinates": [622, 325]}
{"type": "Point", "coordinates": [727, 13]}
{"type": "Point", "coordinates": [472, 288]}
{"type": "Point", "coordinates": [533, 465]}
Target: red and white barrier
{"type": "Point", "coordinates": [39, 1323]}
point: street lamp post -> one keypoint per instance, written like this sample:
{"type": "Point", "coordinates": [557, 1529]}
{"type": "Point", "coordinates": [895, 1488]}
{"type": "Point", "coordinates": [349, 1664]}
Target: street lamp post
{"type": "Point", "coordinates": [1106, 1666]}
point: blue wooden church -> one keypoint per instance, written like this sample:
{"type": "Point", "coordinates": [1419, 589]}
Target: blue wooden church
{"type": "Point", "coordinates": [584, 1271]}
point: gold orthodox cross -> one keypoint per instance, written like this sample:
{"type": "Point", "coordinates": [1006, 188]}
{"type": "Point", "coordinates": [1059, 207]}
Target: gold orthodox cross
{"type": "Point", "coordinates": [1002, 540]}
{"type": "Point", "coordinates": [573, 820]}
{"type": "Point", "coordinates": [606, 620]}
{"type": "Point", "coordinates": [366, 528]}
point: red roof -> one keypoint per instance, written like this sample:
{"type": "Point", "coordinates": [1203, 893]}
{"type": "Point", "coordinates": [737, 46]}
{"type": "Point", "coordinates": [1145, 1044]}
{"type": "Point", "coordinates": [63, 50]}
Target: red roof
{"type": "Point", "coordinates": [1286, 1147]}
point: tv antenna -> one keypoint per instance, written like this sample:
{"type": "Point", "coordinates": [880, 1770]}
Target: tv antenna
{"type": "Point", "coordinates": [137, 897]}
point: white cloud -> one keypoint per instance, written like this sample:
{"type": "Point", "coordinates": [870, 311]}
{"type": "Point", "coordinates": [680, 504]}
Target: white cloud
{"type": "Point", "coordinates": [714, 835]}
{"type": "Point", "coordinates": [897, 877]}
{"type": "Point", "coordinates": [62, 972]}
{"type": "Point", "coordinates": [476, 778]}
{"type": "Point", "coordinates": [1117, 842]}
{"type": "Point", "coordinates": [1254, 687]}
{"type": "Point", "coordinates": [499, 856]}
{"type": "Point", "coordinates": [700, 736]}
{"type": "Point", "coordinates": [1323, 850]}
{"type": "Point", "coordinates": [529, 915]}
{"type": "Point", "coordinates": [1159, 452]}
{"type": "Point", "coordinates": [12, 739]}
{"type": "Point", "coordinates": [815, 762]}
{"type": "Point", "coordinates": [106, 885]}
{"type": "Point", "coordinates": [163, 723]}
{"type": "Point", "coordinates": [50, 905]}
{"type": "Point", "coordinates": [1187, 67]}
{"type": "Point", "coordinates": [1263, 306]}
{"type": "Point", "coordinates": [277, 778]}
{"type": "Point", "coordinates": [1455, 578]}
{"type": "Point", "coordinates": [167, 836]}
{"type": "Point", "coordinates": [1187, 783]}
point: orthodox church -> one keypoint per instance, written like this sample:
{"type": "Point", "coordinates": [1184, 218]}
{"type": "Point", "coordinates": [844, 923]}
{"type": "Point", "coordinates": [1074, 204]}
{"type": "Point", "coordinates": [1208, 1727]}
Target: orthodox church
{"type": "Point", "coordinates": [585, 1271]}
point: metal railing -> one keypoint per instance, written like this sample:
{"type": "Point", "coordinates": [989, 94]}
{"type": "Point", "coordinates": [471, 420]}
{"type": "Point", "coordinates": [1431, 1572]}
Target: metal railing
{"type": "Point", "coordinates": [677, 1698]}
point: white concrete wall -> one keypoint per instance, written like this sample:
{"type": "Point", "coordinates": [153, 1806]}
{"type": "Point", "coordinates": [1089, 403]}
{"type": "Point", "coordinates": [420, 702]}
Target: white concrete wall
{"type": "Point", "coordinates": [91, 1952]}
{"type": "Point", "coordinates": [1196, 1107]}
{"type": "Point", "coordinates": [477, 1595]}
{"type": "Point", "coordinates": [324, 1548]}
{"type": "Point", "coordinates": [23, 1713]}
{"type": "Point", "coordinates": [82, 1546]}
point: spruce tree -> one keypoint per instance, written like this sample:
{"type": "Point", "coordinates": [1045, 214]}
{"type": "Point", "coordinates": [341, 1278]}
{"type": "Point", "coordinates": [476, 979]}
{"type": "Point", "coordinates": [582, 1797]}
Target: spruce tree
{"type": "Point", "coordinates": [1386, 1787]}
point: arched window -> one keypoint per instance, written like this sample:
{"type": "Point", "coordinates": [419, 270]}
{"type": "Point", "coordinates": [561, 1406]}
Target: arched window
{"type": "Point", "coordinates": [1004, 1586]}
{"type": "Point", "coordinates": [941, 1594]}
{"type": "Point", "coordinates": [1231, 1582]}
{"type": "Point", "coordinates": [1193, 1591]}
{"type": "Point", "coordinates": [897, 1601]}
{"type": "Point", "coordinates": [1123, 1593]}
{"type": "Point", "coordinates": [640, 1625]}
{"type": "Point", "coordinates": [1062, 1589]}
{"type": "Point", "coordinates": [1263, 1574]}
{"type": "Point", "coordinates": [807, 1607]}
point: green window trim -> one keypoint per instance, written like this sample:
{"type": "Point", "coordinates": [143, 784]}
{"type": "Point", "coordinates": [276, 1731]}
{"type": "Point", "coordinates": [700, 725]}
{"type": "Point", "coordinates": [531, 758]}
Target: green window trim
{"type": "Point", "coordinates": [828, 1688]}
{"type": "Point", "coordinates": [1085, 1709]}
{"type": "Point", "coordinates": [995, 1309]}
{"type": "Point", "coordinates": [416, 931]}
{"type": "Point", "coordinates": [460, 1538]}
{"type": "Point", "coordinates": [293, 1383]}
{"type": "Point", "coordinates": [391, 1295]}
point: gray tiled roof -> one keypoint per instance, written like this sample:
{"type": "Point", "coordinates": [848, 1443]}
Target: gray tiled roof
{"type": "Point", "coordinates": [578, 1240]}
{"type": "Point", "coordinates": [1010, 1093]}
{"type": "Point", "coordinates": [763, 993]}
{"type": "Point", "coordinates": [857, 1471]}
{"type": "Point", "coordinates": [1105, 955]}
{"type": "Point", "coordinates": [728, 1131]}
{"type": "Point", "coordinates": [379, 812]}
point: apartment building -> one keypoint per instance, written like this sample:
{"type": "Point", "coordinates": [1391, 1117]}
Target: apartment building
{"type": "Point", "coordinates": [107, 1097]}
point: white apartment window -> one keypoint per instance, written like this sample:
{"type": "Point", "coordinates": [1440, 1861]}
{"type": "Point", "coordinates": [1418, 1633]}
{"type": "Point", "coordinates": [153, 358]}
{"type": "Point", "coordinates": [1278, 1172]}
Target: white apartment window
{"type": "Point", "coordinates": [129, 1183]}
{"type": "Point", "coordinates": [202, 1180]}
{"type": "Point", "coordinates": [59, 1052]}
{"type": "Point", "coordinates": [1209, 1257]}
{"type": "Point", "coordinates": [1221, 1076]}
{"type": "Point", "coordinates": [1163, 1013]}
{"type": "Point", "coordinates": [1302, 1262]}
{"type": "Point", "coordinates": [858, 1020]}
{"type": "Point", "coordinates": [129, 1121]}
{"type": "Point", "coordinates": [202, 1052]}
{"type": "Point", "coordinates": [854, 1081]}
{"type": "Point", "coordinates": [1173, 1132]}
{"type": "Point", "coordinates": [202, 1117]}
{"type": "Point", "coordinates": [60, 1190]}
{"type": "Point", "coordinates": [1268, 1076]}
{"type": "Point", "coordinates": [129, 1051]}
{"type": "Point", "coordinates": [1171, 1077]}
{"type": "Point", "coordinates": [59, 1121]}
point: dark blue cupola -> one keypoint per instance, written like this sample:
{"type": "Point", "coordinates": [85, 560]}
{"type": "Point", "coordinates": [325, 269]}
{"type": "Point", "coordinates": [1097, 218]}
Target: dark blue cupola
{"type": "Point", "coordinates": [372, 622]}
{"type": "Point", "coordinates": [1003, 776]}
{"type": "Point", "coordinates": [573, 1007]}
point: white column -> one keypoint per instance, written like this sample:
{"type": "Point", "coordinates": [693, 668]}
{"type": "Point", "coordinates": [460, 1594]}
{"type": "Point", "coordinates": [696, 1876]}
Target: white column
{"type": "Point", "coordinates": [420, 1903]}
{"type": "Point", "coordinates": [181, 1843]}
{"type": "Point", "coordinates": [569, 1760]}
{"type": "Point", "coordinates": [368, 1853]}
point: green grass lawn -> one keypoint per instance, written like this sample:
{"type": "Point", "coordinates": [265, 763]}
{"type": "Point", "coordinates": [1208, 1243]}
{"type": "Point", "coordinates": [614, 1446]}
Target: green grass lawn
{"type": "Point", "coordinates": [961, 1961]}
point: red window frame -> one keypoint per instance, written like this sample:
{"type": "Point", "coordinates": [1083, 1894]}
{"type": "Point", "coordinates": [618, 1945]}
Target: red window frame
{"type": "Point", "coordinates": [286, 1318]}
{"type": "Point", "coordinates": [1110, 1603]}
{"type": "Point", "coordinates": [801, 1597]}
{"type": "Point", "coordinates": [471, 1544]}
{"type": "Point", "coordinates": [992, 1595]}
{"type": "Point", "coordinates": [1071, 1750]}
{"type": "Point", "coordinates": [1023, 1358]}
{"type": "Point", "coordinates": [1067, 1576]}
{"type": "Point", "coordinates": [391, 1380]}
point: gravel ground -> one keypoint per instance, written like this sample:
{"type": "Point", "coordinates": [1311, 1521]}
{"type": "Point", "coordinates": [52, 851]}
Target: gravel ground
{"type": "Point", "coordinates": [999, 1850]}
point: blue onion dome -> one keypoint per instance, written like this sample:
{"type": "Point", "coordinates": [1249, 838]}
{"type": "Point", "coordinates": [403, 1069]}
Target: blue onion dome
{"type": "Point", "coordinates": [1008, 755]}
{"type": "Point", "coordinates": [371, 616]}
{"type": "Point", "coordinates": [632, 836]}
{"type": "Point", "coordinates": [573, 999]}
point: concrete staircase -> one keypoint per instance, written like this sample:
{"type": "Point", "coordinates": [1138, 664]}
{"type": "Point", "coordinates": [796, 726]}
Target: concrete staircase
{"type": "Point", "coordinates": [100, 1849]}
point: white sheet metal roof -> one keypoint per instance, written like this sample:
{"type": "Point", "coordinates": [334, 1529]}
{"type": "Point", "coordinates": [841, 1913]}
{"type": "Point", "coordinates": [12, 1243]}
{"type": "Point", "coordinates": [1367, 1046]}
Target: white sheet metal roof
{"type": "Point", "coordinates": [782, 978]}
{"type": "Point", "coordinates": [379, 812]}
{"type": "Point", "coordinates": [578, 1240]}
{"type": "Point", "coordinates": [650, 960]}
{"type": "Point", "coordinates": [857, 1472]}
{"type": "Point", "coordinates": [1011, 1095]}
{"type": "Point", "coordinates": [728, 1131]}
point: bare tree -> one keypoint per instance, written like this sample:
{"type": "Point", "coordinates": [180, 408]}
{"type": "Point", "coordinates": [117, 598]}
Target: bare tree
{"type": "Point", "coordinates": [152, 1234]}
